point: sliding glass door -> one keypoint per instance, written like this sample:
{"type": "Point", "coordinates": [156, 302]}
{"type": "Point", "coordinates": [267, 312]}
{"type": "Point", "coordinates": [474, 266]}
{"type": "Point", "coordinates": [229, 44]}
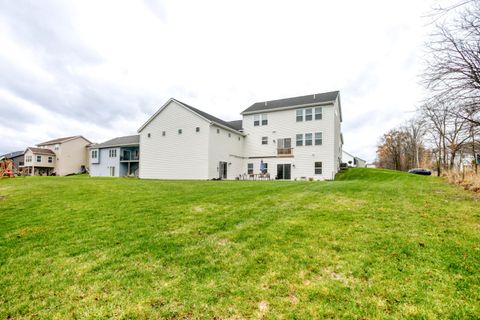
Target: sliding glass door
{"type": "Point", "coordinates": [284, 171]}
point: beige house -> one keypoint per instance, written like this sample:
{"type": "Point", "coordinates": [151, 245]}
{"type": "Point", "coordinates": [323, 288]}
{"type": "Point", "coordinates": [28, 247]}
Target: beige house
{"type": "Point", "coordinates": [38, 162]}
{"type": "Point", "coordinates": [69, 156]}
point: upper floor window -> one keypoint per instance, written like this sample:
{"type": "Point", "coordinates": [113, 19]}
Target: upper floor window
{"type": "Point", "coordinates": [57, 146]}
{"type": "Point", "coordinates": [250, 168]}
{"type": "Point", "coordinates": [197, 129]}
{"type": "Point", "coordinates": [112, 153]}
{"type": "Point", "coordinates": [94, 154]}
{"type": "Point", "coordinates": [318, 167]}
{"type": "Point", "coordinates": [264, 140]}
{"type": "Point", "coordinates": [308, 114]}
{"type": "Point", "coordinates": [179, 131]}
{"type": "Point", "coordinates": [318, 113]}
{"type": "Point", "coordinates": [308, 139]}
{"type": "Point", "coordinates": [299, 115]}
{"type": "Point", "coordinates": [28, 159]}
{"type": "Point", "coordinates": [260, 119]}
{"type": "Point", "coordinates": [164, 133]}
{"type": "Point", "coordinates": [39, 158]}
{"type": "Point", "coordinates": [50, 159]}
{"type": "Point", "coordinates": [318, 138]}
{"type": "Point", "coordinates": [149, 135]}
{"type": "Point", "coordinates": [229, 135]}
{"type": "Point", "coordinates": [299, 139]}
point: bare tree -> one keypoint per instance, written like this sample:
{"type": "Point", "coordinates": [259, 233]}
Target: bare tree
{"type": "Point", "coordinates": [453, 72]}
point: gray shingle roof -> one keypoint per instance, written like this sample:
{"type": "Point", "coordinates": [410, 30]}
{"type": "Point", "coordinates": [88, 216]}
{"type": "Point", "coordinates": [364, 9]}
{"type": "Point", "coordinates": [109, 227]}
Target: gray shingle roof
{"type": "Point", "coordinates": [118, 141]}
{"type": "Point", "coordinates": [208, 116]}
{"type": "Point", "coordinates": [60, 140]}
{"type": "Point", "coordinates": [236, 124]}
{"type": "Point", "coordinates": [291, 102]}
{"type": "Point", "coordinates": [12, 155]}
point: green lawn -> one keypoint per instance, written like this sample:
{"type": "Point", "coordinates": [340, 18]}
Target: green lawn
{"type": "Point", "coordinates": [374, 244]}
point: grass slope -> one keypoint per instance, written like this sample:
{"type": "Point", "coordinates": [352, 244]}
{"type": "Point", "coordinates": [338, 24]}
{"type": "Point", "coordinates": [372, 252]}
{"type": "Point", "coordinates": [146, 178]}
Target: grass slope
{"type": "Point", "coordinates": [374, 244]}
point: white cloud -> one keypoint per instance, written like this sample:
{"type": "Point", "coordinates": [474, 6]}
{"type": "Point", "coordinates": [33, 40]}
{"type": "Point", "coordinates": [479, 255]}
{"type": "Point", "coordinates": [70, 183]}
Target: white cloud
{"type": "Point", "coordinates": [219, 56]}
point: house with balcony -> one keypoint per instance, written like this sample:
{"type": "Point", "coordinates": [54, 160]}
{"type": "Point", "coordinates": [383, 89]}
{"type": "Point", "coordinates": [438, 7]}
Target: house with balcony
{"type": "Point", "coordinates": [38, 162]}
{"type": "Point", "coordinates": [118, 157]}
{"type": "Point", "coordinates": [61, 156]}
{"type": "Point", "coordinates": [285, 139]}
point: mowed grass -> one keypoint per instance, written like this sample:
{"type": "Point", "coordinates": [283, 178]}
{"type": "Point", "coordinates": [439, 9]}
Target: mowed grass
{"type": "Point", "coordinates": [373, 244]}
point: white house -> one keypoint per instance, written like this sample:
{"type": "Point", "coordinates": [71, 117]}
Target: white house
{"type": "Point", "coordinates": [118, 157]}
{"type": "Point", "coordinates": [352, 161]}
{"type": "Point", "coordinates": [293, 138]}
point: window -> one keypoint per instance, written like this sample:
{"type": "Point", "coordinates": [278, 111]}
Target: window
{"type": "Point", "coordinates": [179, 131]}
{"type": "Point", "coordinates": [318, 113]}
{"type": "Point", "coordinates": [299, 139]}
{"type": "Point", "coordinates": [265, 167]}
{"type": "Point", "coordinates": [318, 167]}
{"type": "Point", "coordinates": [318, 138]}
{"type": "Point", "coordinates": [218, 130]}
{"type": "Point", "coordinates": [308, 114]}
{"type": "Point", "coordinates": [264, 140]}
{"type": "Point", "coordinates": [256, 120]}
{"type": "Point", "coordinates": [264, 119]}
{"type": "Point", "coordinates": [299, 115]}
{"type": "Point", "coordinates": [250, 168]}
{"type": "Point", "coordinates": [50, 159]}
{"type": "Point", "coordinates": [149, 135]}
{"type": "Point", "coordinates": [308, 139]}
{"type": "Point", "coordinates": [112, 153]}
{"type": "Point", "coordinates": [28, 159]}
{"type": "Point", "coordinates": [57, 146]}
{"type": "Point", "coordinates": [164, 133]}
{"type": "Point", "coordinates": [39, 158]}
{"type": "Point", "coordinates": [94, 154]}
{"type": "Point", "coordinates": [238, 138]}
{"type": "Point", "coordinates": [284, 143]}
{"type": "Point", "coordinates": [112, 171]}
{"type": "Point", "coordinates": [197, 129]}
{"type": "Point", "coordinates": [229, 135]}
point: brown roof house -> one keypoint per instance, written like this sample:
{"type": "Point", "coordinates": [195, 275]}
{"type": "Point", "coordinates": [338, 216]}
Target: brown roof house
{"type": "Point", "coordinates": [61, 156]}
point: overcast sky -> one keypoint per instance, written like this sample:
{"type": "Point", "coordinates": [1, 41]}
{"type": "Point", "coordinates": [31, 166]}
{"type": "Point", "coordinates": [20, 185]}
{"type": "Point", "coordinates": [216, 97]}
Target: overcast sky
{"type": "Point", "coordinates": [101, 68]}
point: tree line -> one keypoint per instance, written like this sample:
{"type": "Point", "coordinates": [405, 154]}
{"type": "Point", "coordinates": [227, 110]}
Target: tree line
{"type": "Point", "coordinates": [445, 130]}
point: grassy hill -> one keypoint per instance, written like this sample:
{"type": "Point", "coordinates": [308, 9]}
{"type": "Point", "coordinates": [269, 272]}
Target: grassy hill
{"type": "Point", "coordinates": [373, 244]}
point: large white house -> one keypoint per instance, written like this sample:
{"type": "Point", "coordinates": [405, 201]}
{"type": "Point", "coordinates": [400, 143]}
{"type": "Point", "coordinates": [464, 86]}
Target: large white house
{"type": "Point", "coordinates": [293, 138]}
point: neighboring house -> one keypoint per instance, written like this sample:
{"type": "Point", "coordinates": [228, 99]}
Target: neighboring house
{"type": "Point", "coordinates": [294, 138]}
{"type": "Point", "coordinates": [117, 157]}
{"type": "Point", "coordinates": [352, 161]}
{"type": "Point", "coordinates": [69, 156]}
{"type": "Point", "coordinates": [182, 142]}
{"type": "Point", "coordinates": [17, 157]}
{"type": "Point", "coordinates": [39, 162]}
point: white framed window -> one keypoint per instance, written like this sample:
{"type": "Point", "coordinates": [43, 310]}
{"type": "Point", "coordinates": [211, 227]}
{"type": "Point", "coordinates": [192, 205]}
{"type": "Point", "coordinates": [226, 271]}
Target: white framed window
{"type": "Point", "coordinates": [50, 159]}
{"type": "Point", "coordinates": [28, 159]}
{"type": "Point", "coordinates": [239, 139]}
{"type": "Point", "coordinates": [57, 146]}
{"type": "Point", "coordinates": [218, 131]}
{"type": "Point", "coordinates": [250, 168]}
{"type": "Point", "coordinates": [149, 135]}
{"type": "Point", "coordinates": [299, 139]}
{"type": "Point", "coordinates": [94, 154]}
{"type": "Point", "coordinates": [318, 113]}
{"type": "Point", "coordinates": [111, 171]}
{"type": "Point", "coordinates": [179, 131]}
{"type": "Point", "coordinates": [229, 135]}
{"type": "Point", "coordinates": [112, 153]}
{"type": "Point", "coordinates": [308, 114]}
{"type": "Point", "coordinates": [318, 139]}
{"type": "Point", "coordinates": [197, 129]}
{"type": "Point", "coordinates": [264, 140]}
{"type": "Point", "coordinates": [39, 158]}
{"type": "Point", "coordinates": [265, 167]}
{"type": "Point", "coordinates": [264, 119]}
{"type": "Point", "coordinates": [318, 167]}
{"type": "Point", "coordinates": [308, 139]}
{"type": "Point", "coordinates": [299, 113]}
{"type": "Point", "coordinates": [256, 120]}
{"type": "Point", "coordinates": [164, 133]}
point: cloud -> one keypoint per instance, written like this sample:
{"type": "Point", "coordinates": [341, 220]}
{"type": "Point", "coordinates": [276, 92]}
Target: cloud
{"type": "Point", "coordinates": [102, 68]}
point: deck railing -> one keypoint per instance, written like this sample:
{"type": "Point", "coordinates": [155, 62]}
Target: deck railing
{"type": "Point", "coordinates": [284, 151]}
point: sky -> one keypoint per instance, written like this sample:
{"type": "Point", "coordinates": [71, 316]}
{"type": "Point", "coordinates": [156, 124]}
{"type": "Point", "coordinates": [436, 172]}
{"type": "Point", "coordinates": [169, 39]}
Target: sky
{"type": "Point", "coordinates": [101, 68]}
